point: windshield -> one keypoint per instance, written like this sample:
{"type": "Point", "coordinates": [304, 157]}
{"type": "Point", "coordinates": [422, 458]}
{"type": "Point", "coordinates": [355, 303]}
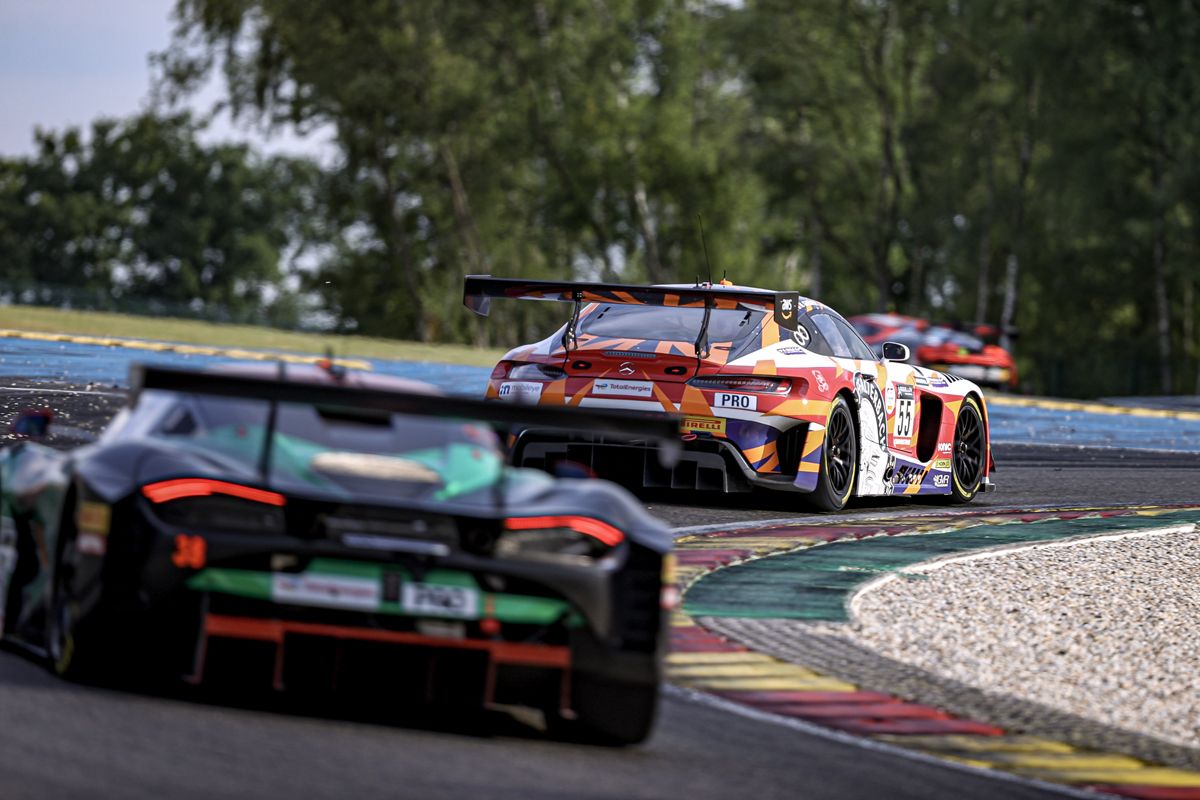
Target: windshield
{"type": "Point", "coordinates": [342, 451]}
{"type": "Point", "coordinates": [668, 324]}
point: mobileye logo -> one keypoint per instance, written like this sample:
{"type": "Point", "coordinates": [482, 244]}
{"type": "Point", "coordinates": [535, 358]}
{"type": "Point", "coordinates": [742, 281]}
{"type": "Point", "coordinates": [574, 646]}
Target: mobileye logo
{"type": "Point", "coordinates": [626, 369]}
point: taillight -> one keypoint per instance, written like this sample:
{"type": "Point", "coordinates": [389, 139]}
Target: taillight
{"type": "Point", "coordinates": [535, 372]}
{"type": "Point", "coordinates": [743, 383]}
{"type": "Point", "coordinates": [200, 503]}
{"type": "Point", "coordinates": [165, 491]}
{"type": "Point", "coordinates": [565, 539]}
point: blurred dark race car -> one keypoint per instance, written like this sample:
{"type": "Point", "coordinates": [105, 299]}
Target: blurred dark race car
{"type": "Point", "coordinates": [967, 350]}
{"type": "Point", "coordinates": [341, 535]}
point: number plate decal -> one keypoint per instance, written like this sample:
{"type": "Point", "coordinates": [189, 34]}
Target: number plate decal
{"type": "Point", "coordinates": [742, 402]}
{"type": "Point", "coordinates": [432, 600]}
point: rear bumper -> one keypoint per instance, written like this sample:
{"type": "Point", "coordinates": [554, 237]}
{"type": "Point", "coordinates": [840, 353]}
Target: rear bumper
{"type": "Point", "coordinates": [227, 619]}
{"type": "Point", "coordinates": [704, 464]}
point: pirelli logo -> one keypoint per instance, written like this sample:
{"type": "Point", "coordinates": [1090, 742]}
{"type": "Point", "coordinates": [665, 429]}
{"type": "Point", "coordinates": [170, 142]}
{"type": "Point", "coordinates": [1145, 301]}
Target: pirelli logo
{"type": "Point", "coordinates": [703, 425]}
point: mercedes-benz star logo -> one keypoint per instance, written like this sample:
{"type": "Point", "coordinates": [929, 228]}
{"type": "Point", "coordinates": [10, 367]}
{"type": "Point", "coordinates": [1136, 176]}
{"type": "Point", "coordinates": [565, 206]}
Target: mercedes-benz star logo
{"type": "Point", "coordinates": [626, 368]}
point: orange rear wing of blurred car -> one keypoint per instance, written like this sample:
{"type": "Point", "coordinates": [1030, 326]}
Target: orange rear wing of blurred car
{"type": "Point", "coordinates": [479, 290]}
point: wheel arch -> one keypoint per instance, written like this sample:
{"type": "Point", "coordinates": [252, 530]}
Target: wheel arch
{"type": "Point", "coordinates": [977, 396]}
{"type": "Point", "coordinates": [852, 401]}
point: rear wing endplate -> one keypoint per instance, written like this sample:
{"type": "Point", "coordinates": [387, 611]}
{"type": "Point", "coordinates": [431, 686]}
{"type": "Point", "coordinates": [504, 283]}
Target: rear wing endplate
{"type": "Point", "coordinates": [478, 291]}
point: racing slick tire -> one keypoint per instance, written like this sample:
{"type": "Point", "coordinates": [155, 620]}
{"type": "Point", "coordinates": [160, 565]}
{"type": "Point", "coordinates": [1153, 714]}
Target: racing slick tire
{"type": "Point", "coordinates": [608, 712]}
{"type": "Point", "coordinates": [839, 459]}
{"type": "Point", "coordinates": [71, 643]}
{"type": "Point", "coordinates": [969, 454]}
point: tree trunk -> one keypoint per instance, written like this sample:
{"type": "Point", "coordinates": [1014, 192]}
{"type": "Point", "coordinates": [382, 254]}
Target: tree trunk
{"type": "Point", "coordinates": [462, 210]}
{"type": "Point", "coordinates": [653, 266]}
{"type": "Point", "coordinates": [1162, 306]}
{"type": "Point", "coordinates": [983, 288]}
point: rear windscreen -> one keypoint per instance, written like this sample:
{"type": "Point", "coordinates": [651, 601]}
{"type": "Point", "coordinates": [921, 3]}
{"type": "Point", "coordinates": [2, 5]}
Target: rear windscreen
{"type": "Point", "coordinates": [342, 451]}
{"type": "Point", "coordinates": [667, 324]}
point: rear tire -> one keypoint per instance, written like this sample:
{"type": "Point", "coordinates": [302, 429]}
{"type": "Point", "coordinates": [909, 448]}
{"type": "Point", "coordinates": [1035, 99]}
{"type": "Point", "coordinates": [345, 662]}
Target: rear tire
{"type": "Point", "coordinates": [609, 712]}
{"type": "Point", "coordinates": [71, 649]}
{"type": "Point", "coordinates": [839, 459]}
{"type": "Point", "coordinates": [970, 453]}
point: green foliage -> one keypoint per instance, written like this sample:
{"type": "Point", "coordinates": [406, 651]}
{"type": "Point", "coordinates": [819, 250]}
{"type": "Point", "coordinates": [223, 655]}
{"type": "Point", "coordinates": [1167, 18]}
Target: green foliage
{"type": "Point", "coordinates": [143, 210]}
{"type": "Point", "coordinates": [1024, 162]}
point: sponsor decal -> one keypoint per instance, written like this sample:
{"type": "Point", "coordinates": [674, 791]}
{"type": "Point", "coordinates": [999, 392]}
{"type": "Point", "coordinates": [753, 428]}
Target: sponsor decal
{"type": "Point", "coordinates": [94, 518]}
{"type": "Point", "coordinates": [742, 402]}
{"type": "Point", "coordinates": [905, 391]}
{"type": "Point", "coordinates": [907, 475]}
{"type": "Point", "coordinates": [941, 481]}
{"type": "Point", "coordinates": [790, 351]}
{"type": "Point", "coordinates": [941, 463]}
{"type": "Point", "coordinates": [875, 461]}
{"type": "Point", "coordinates": [521, 391]}
{"type": "Point", "coordinates": [919, 378]}
{"type": "Point", "coordinates": [944, 448]}
{"type": "Point", "coordinates": [822, 384]}
{"type": "Point", "coordinates": [868, 390]}
{"type": "Point", "coordinates": [626, 368]}
{"type": "Point", "coordinates": [703, 425]}
{"type": "Point", "coordinates": [605, 386]}
{"type": "Point", "coordinates": [330, 591]}
{"type": "Point", "coordinates": [785, 309]}
{"type": "Point", "coordinates": [890, 398]}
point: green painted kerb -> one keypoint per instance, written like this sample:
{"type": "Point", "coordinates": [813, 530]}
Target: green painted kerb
{"type": "Point", "coordinates": [814, 583]}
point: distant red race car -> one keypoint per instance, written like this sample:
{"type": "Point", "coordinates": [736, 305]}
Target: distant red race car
{"type": "Point", "coordinates": [967, 351]}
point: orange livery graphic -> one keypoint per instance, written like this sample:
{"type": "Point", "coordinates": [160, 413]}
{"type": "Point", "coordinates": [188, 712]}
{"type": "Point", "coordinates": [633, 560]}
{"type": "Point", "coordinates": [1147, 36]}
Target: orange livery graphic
{"type": "Point", "coordinates": [772, 390]}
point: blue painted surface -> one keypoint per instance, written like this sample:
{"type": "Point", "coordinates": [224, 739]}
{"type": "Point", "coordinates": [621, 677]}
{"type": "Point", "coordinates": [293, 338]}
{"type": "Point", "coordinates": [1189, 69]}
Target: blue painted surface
{"type": "Point", "coordinates": [80, 363]}
{"type": "Point", "coordinates": [86, 363]}
{"type": "Point", "coordinates": [1026, 425]}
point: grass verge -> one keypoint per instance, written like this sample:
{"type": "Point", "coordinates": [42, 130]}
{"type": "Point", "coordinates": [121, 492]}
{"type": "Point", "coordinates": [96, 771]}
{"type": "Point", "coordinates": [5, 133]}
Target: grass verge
{"type": "Point", "coordinates": [170, 329]}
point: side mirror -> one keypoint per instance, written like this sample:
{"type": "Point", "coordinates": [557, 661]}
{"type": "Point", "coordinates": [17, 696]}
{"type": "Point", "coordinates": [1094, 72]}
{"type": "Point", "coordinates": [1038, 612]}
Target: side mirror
{"type": "Point", "coordinates": [33, 424]}
{"type": "Point", "coordinates": [894, 351]}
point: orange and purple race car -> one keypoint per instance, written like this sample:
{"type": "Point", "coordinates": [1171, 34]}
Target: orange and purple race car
{"type": "Point", "coordinates": [968, 350]}
{"type": "Point", "coordinates": [775, 390]}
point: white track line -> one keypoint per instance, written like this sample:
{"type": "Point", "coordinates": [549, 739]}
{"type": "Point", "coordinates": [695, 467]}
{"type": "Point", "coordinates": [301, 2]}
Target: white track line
{"type": "Point", "coordinates": [841, 737]}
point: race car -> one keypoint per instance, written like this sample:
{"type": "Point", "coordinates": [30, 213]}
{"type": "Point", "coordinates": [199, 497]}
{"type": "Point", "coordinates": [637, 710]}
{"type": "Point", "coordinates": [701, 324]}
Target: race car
{"type": "Point", "coordinates": [337, 535]}
{"type": "Point", "coordinates": [967, 350]}
{"type": "Point", "coordinates": [776, 390]}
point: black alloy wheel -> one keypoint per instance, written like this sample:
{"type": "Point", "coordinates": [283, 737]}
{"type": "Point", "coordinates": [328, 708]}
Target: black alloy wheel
{"type": "Point", "coordinates": [970, 450]}
{"type": "Point", "coordinates": [839, 459]}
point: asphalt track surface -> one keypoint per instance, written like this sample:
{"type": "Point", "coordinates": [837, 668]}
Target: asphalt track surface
{"type": "Point", "coordinates": [63, 740]}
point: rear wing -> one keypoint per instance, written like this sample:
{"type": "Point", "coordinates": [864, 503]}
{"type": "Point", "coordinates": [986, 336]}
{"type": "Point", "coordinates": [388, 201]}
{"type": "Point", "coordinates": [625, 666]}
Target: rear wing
{"type": "Point", "coordinates": [478, 291]}
{"type": "Point", "coordinates": [663, 429]}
